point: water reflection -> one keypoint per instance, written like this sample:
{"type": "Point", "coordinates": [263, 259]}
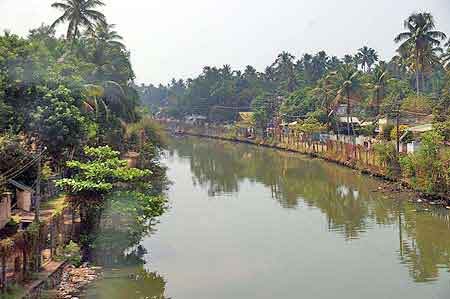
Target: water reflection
{"type": "Point", "coordinates": [347, 199]}
{"type": "Point", "coordinates": [129, 278]}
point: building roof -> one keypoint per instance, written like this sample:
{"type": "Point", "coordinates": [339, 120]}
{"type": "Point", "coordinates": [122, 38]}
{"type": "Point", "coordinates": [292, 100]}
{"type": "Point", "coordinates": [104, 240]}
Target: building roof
{"type": "Point", "coordinates": [20, 186]}
{"type": "Point", "coordinates": [246, 116]}
{"type": "Point", "coordinates": [421, 128]}
{"type": "Point", "coordinates": [353, 119]}
{"type": "Point", "coordinates": [245, 120]}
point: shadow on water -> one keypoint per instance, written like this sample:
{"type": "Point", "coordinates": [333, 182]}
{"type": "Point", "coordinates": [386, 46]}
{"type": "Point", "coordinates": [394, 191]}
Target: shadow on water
{"type": "Point", "coordinates": [128, 279]}
{"type": "Point", "coordinates": [346, 198]}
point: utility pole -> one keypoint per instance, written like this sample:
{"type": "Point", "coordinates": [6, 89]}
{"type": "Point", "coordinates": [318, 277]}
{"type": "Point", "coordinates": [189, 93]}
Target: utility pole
{"type": "Point", "coordinates": [397, 120]}
{"type": "Point", "coordinates": [38, 190]}
{"type": "Point", "coordinates": [398, 128]}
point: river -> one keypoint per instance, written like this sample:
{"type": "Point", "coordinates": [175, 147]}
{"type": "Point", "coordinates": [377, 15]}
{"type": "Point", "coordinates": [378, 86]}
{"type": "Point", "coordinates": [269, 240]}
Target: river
{"type": "Point", "coordinates": [248, 222]}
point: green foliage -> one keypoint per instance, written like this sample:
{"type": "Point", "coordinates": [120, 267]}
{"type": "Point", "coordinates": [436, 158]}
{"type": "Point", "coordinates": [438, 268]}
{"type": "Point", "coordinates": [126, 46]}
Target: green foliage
{"type": "Point", "coordinates": [428, 168]}
{"type": "Point", "coordinates": [263, 111]}
{"type": "Point", "coordinates": [127, 217]}
{"type": "Point", "coordinates": [58, 123]}
{"type": "Point", "coordinates": [72, 253]}
{"type": "Point", "coordinates": [387, 153]}
{"type": "Point", "coordinates": [98, 175]}
{"type": "Point", "coordinates": [402, 129]}
{"type": "Point", "coordinates": [13, 152]}
{"type": "Point", "coordinates": [145, 129]}
{"type": "Point", "coordinates": [310, 126]}
{"type": "Point", "coordinates": [386, 133]}
{"type": "Point", "coordinates": [368, 130]}
{"type": "Point", "coordinates": [443, 129]}
{"type": "Point", "coordinates": [420, 104]}
{"type": "Point", "coordinates": [297, 105]}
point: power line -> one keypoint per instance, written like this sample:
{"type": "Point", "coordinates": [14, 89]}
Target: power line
{"type": "Point", "coordinates": [22, 169]}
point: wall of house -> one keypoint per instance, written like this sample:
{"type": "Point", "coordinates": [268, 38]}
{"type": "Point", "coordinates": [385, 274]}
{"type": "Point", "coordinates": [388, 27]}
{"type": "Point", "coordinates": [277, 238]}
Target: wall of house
{"type": "Point", "coordinates": [5, 209]}
{"type": "Point", "coordinates": [24, 200]}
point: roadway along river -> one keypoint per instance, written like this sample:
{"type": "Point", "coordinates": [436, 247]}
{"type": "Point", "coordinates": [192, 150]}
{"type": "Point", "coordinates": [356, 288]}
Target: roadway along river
{"type": "Point", "coordinates": [254, 223]}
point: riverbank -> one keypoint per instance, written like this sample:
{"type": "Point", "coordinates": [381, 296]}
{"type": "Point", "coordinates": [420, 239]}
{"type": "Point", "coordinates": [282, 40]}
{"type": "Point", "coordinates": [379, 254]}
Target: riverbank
{"type": "Point", "coordinates": [395, 184]}
{"type": "Point", "coordinates": [75, 280]}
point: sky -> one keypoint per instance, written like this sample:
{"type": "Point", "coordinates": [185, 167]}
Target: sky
{"type": "Point", "coordinates": [177, 38]}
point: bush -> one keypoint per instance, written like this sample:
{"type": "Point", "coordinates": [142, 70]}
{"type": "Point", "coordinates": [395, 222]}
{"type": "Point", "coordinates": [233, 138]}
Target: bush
{"type": "Point", "coordinates": [386, 134]}
{"type": "Point", "coordinates": [388, 156]}
{"type": "Point", "coordinates": [402, 129]}
{"type": "Point", "coordinates": [428, 169]}
{"type": "Point", "coordinates": [368, 130]}
{"type": "Point", "coordinates": [72, 253]}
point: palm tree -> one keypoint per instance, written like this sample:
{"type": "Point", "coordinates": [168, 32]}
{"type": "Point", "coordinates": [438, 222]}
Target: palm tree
{"type": "Point", "coordinates": [284, 69]}
{"type": "Point", "coordinates": [325, 93]}
{"type": "Point", "coordinates": [367, 57]}
{"type": "Point", "coordinates": [79, 13]}
{"type": "Point", "coordinates": [420, 36]}
{"type": "Point", "coordinates": [103, 38]}
{"type": "Point", "coordinates": [105, 34]}
{"type": "Point", "coordinates": [446, 56]}
{"type": "Point", "coordinates": [104, 95]}
{"type": "Point", "coordinates": [351, 60]}
{"type": "Point", "coordinates": [378, 85]}
{"type": "Point", "coordinates": [446, 59]}
{"type": "Point", "coordinates": [348, 85]}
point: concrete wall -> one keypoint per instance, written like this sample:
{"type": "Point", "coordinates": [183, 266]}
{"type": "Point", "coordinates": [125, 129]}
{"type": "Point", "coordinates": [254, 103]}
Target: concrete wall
{"type": "Point", "coordinates": [24, 200]}
{"type": "Point", "coordinates": [5, 209]}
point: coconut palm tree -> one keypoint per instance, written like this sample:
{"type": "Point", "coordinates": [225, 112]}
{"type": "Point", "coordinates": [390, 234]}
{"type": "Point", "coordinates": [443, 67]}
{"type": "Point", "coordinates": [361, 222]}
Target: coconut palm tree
{"type": "Point", "coordinates": [380, 78]}
{"type": "Point", "coordinates": [79, 14]}
{"type": "Point", "coordinates": [446, 59]}
{"type": "Point", "coordinates": [325, 93]}
{"type": "Point", "coordinates": [285, 71]}
{"type": "Point", "coordinates": [103, 95]}
{"type": "Point", "coordinates": [348, 85]}
{"type": "Point", "coordinates": [446, 56]}
{"type": "Point", "coordinates": [104, 38]}
{"type": "Point", "coordinates": [421, 35]}
{"type": "Point", "coordinates": [367, 57]}
{"type": "Point", "coordinates": [105, 34]}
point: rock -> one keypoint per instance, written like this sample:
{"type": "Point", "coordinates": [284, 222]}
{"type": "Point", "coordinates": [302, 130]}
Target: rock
{"type": "Point", "coordinates": [74, 280]}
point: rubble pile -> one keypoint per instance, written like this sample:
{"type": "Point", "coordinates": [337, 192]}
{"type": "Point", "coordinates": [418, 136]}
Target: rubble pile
{"type": "Point", "coordinates": [75, 280]}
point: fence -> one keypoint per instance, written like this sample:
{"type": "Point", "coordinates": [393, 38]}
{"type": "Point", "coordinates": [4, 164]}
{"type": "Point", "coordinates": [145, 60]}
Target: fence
{"type": "Point", "coordinates": [357, 152]}
{"type": "Point", "coordinates": [26, 251]}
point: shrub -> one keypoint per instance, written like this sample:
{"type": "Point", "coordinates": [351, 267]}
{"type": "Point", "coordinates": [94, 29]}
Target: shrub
{"type": "Point", "coordinates": [72, 253]}
{"type": "Point", "coordinates": [386, 134]}
{"type": "Point", "coordinates": [428, 169]}
{"type": "Point", "coordinates": [402, 129]}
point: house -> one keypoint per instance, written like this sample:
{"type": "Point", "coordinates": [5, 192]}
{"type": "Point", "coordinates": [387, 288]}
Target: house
{"type": "Point", "coordinates": [384, 122]}
{"type": "Point", "coordinates": [417, 131]}
{"type": "Point", "coordinates": [5, 209]}
{"type": "Point", "coordinates": [23, 199]}
{"type": "Point", "coordinates": [196, 119]}
{"type": "Point", "coordinates": [245, 123]}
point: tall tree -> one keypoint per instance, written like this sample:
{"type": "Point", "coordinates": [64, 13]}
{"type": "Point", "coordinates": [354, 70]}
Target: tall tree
{"type": "Point", "coordinates": [421, 35]}
{"type": "Point", "coordinates": [378, 85]}
{"type": "Point", "coordinates": [79, 14]}
{"type": "Point", "coordinates": [367, 57]}
{"type": "Point", "coordinates": [285, 72]}
{"type": "Point", "coordinates": [104, 39]}
{"type": "Point", "coordinates": [348, 84]}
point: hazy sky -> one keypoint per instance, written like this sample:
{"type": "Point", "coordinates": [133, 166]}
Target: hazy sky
{"type": "Point", "coordinates": [176, 38]}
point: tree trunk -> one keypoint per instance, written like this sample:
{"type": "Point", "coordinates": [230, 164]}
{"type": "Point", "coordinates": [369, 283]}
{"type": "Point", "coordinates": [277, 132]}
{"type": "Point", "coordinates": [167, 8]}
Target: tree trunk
{"type": "Point", "coordinates": [417, 73]}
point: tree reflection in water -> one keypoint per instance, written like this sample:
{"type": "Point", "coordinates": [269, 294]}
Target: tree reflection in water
{"type": "Point", "coordinates": [347, 199]}
{"type": "Point", "coordinates": [129, 280]}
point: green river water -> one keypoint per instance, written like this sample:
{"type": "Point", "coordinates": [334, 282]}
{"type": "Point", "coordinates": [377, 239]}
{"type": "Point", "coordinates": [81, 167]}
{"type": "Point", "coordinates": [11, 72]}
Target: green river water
{"type": "Point", "coordinates": [247, 222]}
